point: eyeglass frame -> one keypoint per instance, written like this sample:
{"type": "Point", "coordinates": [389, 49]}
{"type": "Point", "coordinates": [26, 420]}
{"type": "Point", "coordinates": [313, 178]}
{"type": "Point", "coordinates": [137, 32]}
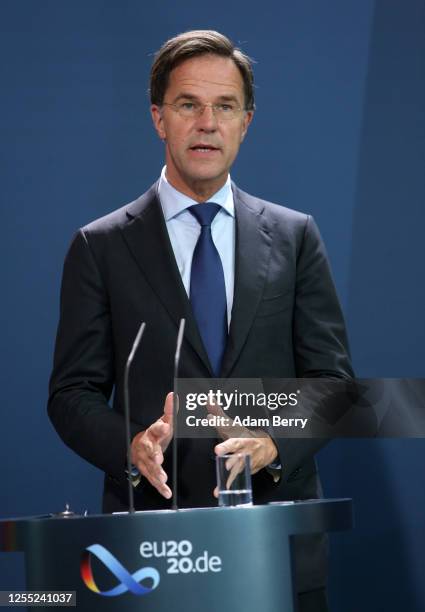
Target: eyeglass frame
{"type": "Point", "coordinates": [202, 108]}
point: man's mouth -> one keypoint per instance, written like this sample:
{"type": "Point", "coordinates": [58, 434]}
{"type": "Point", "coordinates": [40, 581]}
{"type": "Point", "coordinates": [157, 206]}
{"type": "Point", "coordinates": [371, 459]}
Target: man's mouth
{"type": "Point", "coordinates": [203, 148]}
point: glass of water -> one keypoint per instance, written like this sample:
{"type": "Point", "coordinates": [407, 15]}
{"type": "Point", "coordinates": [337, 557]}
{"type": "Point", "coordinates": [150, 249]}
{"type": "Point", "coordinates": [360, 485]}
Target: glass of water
{"type": "Point", "coordinates": [234, 480]}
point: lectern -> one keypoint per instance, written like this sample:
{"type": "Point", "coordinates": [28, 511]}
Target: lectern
{"type": "Point", "coordinates": [210, 559]}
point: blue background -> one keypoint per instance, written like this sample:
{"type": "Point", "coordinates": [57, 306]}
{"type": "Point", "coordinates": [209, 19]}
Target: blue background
{"type": "Point", "coordinates": [339, 133]}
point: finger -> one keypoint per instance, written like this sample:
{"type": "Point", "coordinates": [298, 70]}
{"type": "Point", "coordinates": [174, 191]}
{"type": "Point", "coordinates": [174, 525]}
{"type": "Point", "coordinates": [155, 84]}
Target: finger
{"type": "Point", "coordinates": [229, 429]}
{"type": "Point", "coordinates": [167, 417]}
{"type": "Point", "coordinates": [252, 449]}
{"type": "Point", "coordinates": [215, 492]}
{"type": "Point", "coordinates": [163, 489]}
{"type": "Point", "coordinates": [236, 468]}
{"type": "Point", "coordinates": [158, 479]}
{"type": "Point", "coordinates": [233, 460]}
{"type": "Point", "coordinates": [232, 445]}
{"type": "Point", "coordinates": [226, 430]}
{"type": "Point", "coordinates": [166, 492]}
{"type": "Point", "coordinates": [158, 456]}
{"type": "Point", "coordinates": [159, 430]}
{"type": "Point", "coordinates": [145, 446]}
{"type": "Point", "coordinates": [150, 468]}
{"type": "Point", "coordinates": [216, 410]}
{"type": "Point", "coordinates": [235, 464]}
{"type": "Point", "coordinates": [161, 486]}
{"type": "Point", "coordinates": [148, 450]}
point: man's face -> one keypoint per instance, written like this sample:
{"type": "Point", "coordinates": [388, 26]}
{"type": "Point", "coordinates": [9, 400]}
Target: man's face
{"type": "Point", "coordinates": [200, 150]}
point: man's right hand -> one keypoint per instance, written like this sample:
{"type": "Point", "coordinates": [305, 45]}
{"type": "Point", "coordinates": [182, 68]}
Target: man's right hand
{"type": "Point", "coordinates": [148, 447]}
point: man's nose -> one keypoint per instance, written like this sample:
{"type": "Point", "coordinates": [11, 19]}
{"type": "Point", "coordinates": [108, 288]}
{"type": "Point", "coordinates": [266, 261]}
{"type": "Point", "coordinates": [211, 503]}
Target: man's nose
{"type": "Point", "coordinates": [207, 120]}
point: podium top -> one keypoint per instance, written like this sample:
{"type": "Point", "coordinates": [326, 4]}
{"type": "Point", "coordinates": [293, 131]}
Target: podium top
{"type": "Point", "coordinates": [292, 518]}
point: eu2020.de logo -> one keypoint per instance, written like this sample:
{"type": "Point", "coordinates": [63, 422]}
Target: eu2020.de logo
{"type": "Point", "coordinates": [126, 581]}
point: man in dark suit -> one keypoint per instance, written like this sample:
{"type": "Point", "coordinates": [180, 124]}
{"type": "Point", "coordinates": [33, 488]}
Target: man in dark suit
{"type": "Point", "coordinates": [268, 309]}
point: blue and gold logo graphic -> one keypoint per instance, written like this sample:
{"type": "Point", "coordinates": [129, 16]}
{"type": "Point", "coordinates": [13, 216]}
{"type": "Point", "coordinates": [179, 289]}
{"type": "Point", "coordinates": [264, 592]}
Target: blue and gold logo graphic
{"type": "Point", "coordinates": [127, 582]}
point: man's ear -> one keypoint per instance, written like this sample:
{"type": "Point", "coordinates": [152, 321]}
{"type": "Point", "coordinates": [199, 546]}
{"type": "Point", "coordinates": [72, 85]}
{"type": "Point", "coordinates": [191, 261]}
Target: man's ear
{"type": "Point", "coordinates": [158, 121]}
{"type": "Point", "coordinates": [248, 117]}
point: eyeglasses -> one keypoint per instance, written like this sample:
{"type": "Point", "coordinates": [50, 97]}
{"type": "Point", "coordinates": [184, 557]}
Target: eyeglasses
{"type": "Point", "coordinates": [191, 110]}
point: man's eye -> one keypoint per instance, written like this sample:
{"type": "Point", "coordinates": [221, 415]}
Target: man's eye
{"type": "Point", "coordinates": [226, 108]}
{"type": "Point", "coordinates": [187, 105]}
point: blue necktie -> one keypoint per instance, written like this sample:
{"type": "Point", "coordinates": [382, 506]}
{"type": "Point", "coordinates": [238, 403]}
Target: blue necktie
{"type": "Point", "coordinates": [207, 288]}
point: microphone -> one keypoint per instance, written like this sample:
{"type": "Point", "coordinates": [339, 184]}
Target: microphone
{"type": "Point", "coordinates": [127, 413]}
{"type": "Point", "coordinates": [175, 407]}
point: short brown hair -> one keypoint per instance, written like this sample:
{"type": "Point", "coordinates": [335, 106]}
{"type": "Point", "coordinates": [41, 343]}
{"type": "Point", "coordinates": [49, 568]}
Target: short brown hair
{"type": "Point", "coordinates": [191, 44]}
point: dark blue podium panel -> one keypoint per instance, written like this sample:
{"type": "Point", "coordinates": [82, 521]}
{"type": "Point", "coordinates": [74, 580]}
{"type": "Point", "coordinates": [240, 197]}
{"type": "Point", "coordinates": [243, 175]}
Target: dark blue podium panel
{"type": "Point", "coordinates": [209, 559]}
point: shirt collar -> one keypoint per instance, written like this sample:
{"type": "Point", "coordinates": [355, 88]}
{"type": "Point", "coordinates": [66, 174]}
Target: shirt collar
{"type": "Point", "coordinates": [174, 202]}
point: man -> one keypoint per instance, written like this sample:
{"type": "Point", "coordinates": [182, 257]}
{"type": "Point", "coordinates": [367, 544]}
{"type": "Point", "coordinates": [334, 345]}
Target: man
{"type": "Point", "coordinates": [251, 279]}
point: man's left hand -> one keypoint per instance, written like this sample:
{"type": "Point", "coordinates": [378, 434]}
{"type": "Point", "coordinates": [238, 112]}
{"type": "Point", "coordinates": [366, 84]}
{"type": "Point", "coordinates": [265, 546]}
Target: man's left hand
{"type": "Point", "coordinates": [237, 439]}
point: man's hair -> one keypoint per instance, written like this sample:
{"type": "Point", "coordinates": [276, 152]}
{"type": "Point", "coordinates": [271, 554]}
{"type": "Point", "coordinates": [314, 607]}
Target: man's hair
{"type": "Point", "coordinates": [192, 44]}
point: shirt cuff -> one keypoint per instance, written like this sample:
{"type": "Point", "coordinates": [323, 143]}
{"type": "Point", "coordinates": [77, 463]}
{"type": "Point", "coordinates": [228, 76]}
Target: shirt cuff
{"type": "Point", "coordinates": [275, 470]}
{"type": "Point", "coordinates": [134, 476]}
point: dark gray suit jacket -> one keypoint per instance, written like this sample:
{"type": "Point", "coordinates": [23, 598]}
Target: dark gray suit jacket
{"type": "Point", "coordinates": [286, 322]}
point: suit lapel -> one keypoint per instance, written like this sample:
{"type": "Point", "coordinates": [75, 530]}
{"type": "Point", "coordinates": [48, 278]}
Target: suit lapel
{"type": "Point", "coordinates": [252, 256]}
{"type": "Point", "coordinates": [147, 238]}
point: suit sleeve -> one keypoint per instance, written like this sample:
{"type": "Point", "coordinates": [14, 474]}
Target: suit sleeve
{"type": "Point", "coordinates": [319, 339]}
{"type": "Point", "coordinates": [83, 370]}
